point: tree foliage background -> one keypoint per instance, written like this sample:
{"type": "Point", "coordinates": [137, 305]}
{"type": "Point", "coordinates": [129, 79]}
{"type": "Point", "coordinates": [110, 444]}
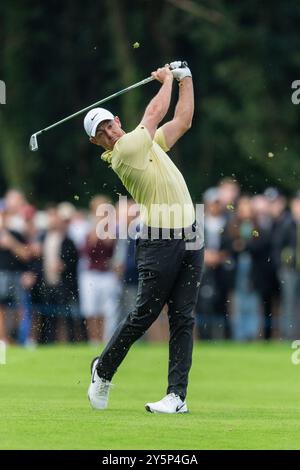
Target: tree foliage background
{"type": "Point", "coordinates": [58, 57]}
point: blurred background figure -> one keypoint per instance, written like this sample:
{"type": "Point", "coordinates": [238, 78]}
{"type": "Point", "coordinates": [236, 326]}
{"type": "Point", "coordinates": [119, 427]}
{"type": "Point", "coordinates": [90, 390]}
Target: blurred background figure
{"type": "Point", "coordinates": [281, 218]}
{"type": "Point", "coordinates": [289, 249]}
{"type": "Point", "coordinates": [32, 329]}
{"type": "Point", "coordinates": [265, 279]}
{"type": "Point", "coordinates": [79, 227]}
{"type": "Point", "coordinates": [99, 284]}
{"type": "Point", "coordinates": [211, 308]}
{"type": "Point", "coordinates": [14, 255]}
{"type": "Point", "coordinates": [58, 283]}
{"type": "Point", "coordinates": [76, 227]}
{"type": "Point", "coordinates": [15, 202]}
{"type": "Point", "coordinates": [245, 313]}
{"type": "Point", "coordinates": [28, 278]}
{"type": "Point", "coordinates": [229, 191]}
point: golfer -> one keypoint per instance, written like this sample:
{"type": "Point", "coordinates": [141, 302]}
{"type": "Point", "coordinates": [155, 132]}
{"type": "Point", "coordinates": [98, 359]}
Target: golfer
{"type": "Point", "coordinates": [168, 272]}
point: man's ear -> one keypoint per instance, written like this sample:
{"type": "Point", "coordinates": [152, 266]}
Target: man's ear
{"type": "Point", "coordinates": [117, 120]}
{"type": "Point", "coordinates": [93, 140]}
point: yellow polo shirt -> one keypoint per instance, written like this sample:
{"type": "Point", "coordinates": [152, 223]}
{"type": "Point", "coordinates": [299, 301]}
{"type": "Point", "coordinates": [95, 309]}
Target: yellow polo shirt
{"type": "Point", "coordinates": [152, 179]}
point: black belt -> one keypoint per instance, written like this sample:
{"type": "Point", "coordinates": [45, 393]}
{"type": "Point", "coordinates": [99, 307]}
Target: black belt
{"type": "Point", "coordinates": [154, 233]}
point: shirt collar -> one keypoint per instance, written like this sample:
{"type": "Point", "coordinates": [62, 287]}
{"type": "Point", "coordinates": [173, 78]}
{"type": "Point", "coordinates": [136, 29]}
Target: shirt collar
{"type": "Point", "coordinates": [106, 156]}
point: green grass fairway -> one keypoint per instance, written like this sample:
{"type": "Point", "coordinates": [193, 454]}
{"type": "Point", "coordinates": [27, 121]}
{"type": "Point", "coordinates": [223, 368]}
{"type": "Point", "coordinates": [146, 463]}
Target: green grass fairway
{"type": "Point", "coordinates": [240, 397]}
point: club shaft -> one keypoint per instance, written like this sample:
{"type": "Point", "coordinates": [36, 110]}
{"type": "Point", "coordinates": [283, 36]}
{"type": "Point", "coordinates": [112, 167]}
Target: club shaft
{"type": "Point", "coordinates": [118, 93]}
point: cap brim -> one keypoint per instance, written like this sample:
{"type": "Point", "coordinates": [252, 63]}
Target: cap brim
{"type": "Point", "coordinates": [98, 121]}
{"type": "Point", "coordinates": [96, 124]}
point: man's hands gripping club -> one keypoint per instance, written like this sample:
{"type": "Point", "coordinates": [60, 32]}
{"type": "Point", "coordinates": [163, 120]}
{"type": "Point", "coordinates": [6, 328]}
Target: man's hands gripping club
{"type": "Point", "coordinates": [180, 70]}
{"type": "Point", "coordinates": [162, 74]}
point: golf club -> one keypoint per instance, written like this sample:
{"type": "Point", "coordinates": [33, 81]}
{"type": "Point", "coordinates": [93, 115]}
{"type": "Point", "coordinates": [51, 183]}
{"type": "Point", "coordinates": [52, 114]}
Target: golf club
{"type": "Point", "coordinates": [33, 143]}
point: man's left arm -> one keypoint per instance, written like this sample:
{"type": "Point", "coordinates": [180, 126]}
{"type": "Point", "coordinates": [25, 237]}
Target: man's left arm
{"type": "Point", "coordinates": [184, 110]}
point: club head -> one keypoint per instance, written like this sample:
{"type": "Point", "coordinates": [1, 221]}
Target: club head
{"type": "Point", "coordinates": [33, 143]}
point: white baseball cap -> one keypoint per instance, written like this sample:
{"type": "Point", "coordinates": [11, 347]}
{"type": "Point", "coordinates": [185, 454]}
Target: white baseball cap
{"type": "Point", "coordinates": [93, 119]}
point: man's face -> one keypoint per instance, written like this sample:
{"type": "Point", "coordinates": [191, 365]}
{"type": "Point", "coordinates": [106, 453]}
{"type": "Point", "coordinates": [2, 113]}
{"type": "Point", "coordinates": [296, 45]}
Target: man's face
{"type": "Point", "coordinates": [108, 133]}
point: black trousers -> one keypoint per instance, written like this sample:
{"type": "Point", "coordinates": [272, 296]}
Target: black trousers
{"type": "Point", "coordinates": [168, 273]}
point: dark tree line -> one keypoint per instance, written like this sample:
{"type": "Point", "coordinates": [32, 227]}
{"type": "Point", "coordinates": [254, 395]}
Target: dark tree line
{"type": "Point", "coordinates": [57, 57]}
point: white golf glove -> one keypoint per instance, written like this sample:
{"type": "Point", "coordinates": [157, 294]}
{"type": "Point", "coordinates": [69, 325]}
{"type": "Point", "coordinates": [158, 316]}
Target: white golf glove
{"type": "Point", "coordinates": [180, 70]}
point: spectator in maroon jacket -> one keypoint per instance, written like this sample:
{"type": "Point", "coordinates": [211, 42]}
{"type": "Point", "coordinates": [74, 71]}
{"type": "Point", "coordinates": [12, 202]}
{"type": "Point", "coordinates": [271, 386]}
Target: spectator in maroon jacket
{"type": "Point", "coordinates": [99, 284]}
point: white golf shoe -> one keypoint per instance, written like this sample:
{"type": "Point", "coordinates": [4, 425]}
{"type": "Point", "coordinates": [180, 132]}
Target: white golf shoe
{"type": "Point", "coordinates": [171, 403]}
{"type": "Point", "coordinates": [98, 391]}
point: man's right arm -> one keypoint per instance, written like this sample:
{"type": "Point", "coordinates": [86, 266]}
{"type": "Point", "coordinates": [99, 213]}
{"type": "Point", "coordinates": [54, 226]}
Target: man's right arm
{"type": "Point", "coordinates": [159, 105]}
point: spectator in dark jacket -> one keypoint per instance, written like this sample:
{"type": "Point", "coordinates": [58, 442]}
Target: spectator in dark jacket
{"type": "Point", "coordinates": [289, 249]}
{"type": "Point", "coordinates": [245, 299]}
{"type": "Point", "coordinates": [57, 283]}
{"type": "Point", "coordinates": [264, 274]}
{"type": "Point", "coordinates": [211, 307]}
{"type": "Point", "coordinates": [14, 254]}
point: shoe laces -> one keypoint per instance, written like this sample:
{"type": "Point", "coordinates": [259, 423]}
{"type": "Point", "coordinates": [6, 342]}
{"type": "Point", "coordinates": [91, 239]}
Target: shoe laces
{"type": "Point", "coordinates": [172, 397]}
{"type": "Point", "coordinates": [103, 386]}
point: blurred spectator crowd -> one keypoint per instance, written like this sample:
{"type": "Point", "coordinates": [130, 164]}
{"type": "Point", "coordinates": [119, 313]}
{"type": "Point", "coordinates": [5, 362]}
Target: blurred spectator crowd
{"type": "Point", "coordinates": [60, 283]}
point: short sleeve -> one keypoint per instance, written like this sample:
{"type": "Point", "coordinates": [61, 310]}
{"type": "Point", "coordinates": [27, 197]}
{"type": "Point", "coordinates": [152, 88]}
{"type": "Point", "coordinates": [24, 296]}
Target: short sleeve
{"type": "Point", "coordinates": [133, 148]}
{"type": "Point", "coordinates": [159, 138]}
